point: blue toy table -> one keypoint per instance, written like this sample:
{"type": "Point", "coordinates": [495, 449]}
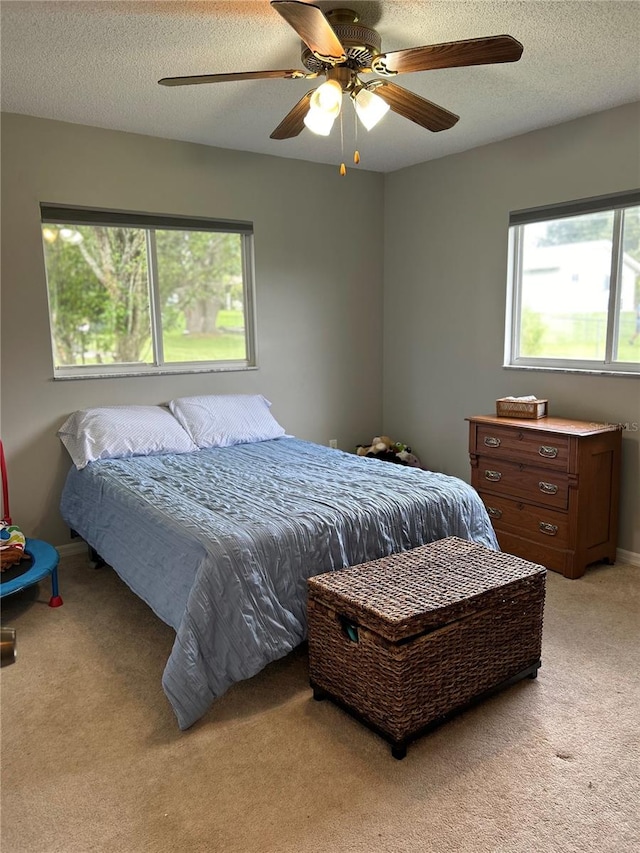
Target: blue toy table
{"type": "Point", "coordinates": [44, 561]}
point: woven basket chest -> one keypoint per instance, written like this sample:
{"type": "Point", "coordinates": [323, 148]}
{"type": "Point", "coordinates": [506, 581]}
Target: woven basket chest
{"type": "Point", "coordinates": [407, 641]}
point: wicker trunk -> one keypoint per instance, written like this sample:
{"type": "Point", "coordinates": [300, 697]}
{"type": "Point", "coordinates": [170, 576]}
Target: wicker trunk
{"type": "Point", "coordinates": [405, 642]}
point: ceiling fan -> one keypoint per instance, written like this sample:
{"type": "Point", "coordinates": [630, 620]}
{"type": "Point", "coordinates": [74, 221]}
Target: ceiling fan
{"type": "Point", "coordinates": [339, 48]}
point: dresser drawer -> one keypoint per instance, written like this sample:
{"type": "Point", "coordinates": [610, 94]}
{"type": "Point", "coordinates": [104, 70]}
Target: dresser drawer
{"type": "Point", "coordinates": [538, 524]}
{"type": "Point", "coordinates": [557, 559]}
{"type": "Point", "coordinates": [536, 448]}
{"type": "Point", "coordinates": [516, 480]}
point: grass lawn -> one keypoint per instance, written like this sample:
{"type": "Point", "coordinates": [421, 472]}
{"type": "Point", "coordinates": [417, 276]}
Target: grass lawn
{"type": "Point", "coordinates": [228, 344]}
{"type": "Point", "coordinates": [225, 346]}
{"type": "Point", "coordinates": [584, 338]}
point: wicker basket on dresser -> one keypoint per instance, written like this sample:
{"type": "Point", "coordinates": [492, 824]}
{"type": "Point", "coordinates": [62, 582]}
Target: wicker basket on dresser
{"type": "Point", "coordinates": [550, 486]}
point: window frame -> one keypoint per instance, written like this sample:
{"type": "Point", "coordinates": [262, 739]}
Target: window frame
{"type": "Point", "coordinates": [518, 220]}
{"type": "Point", "coordinates": [58, 214]}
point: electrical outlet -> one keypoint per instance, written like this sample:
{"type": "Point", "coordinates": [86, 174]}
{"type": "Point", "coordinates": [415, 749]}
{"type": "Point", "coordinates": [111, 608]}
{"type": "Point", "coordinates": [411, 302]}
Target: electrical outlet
{"type": "Point", "coordinates": [333, 442]}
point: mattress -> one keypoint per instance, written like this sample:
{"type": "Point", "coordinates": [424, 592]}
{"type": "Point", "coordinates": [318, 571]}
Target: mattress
{"type": "Point", "coordinates": [220, 543]}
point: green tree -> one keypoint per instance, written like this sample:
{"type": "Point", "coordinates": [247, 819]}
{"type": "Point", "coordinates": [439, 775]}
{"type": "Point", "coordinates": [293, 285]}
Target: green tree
{"type": "Point", "coordinates": [77, 300]}
{"type": "Point", "coordinates": [197, 271]}
{"type": "Point", "coordinates": [99, 288]}
{"type": "Point", "coordinates": [118, 259]}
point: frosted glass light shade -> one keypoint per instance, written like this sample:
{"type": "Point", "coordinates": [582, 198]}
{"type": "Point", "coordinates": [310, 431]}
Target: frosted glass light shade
{"type": "Point", "coordinates": [327, 98]}
{"type": "Point", "coordinates": [324, 108]}
{"type": "Point", "coordinates": [319, 122]}
{"type": "Point", "coordinates": [370, 108]}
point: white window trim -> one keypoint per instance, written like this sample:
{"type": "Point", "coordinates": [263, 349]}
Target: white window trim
{"type": "Point", "coordinates": [518, 220]}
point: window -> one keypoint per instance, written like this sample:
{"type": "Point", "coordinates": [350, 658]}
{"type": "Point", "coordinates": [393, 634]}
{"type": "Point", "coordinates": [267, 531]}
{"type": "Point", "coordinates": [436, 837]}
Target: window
{"type": "Point", "coordinates": [134, 294]}
{"type": "Point", "coordinates": [573, 299]}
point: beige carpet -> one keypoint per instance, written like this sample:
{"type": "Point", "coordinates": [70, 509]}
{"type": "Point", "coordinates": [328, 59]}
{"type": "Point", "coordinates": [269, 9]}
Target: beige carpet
{"type": "Point", "coordinates": [92, 759]}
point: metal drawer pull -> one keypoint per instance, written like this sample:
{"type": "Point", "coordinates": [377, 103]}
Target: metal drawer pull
{"type": "Point", "coordinates": [548, 488]}
{"type": "Point", "coordinates": [549, 529]}
{"type": "Point", "coordinates": [494, 476]}
{"type": "Point", "coordinates": [490, 441]}
{"type": "Point", "coordinates": [493, 512]}
{"type": "Point", "coordinates": [548, 452]}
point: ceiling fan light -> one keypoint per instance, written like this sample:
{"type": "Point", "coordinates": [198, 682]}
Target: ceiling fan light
{"type": "Point", "coordinates": [319, 122]}
{"type": "Point", "coordinates": [327, 98]}
{"type": "Point", "coordinates": [370, 108]}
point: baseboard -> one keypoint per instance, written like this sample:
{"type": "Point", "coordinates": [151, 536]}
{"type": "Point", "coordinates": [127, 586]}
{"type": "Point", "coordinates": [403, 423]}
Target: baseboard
{"type": "Point", "coordinates": [629, 557]}
{"type": "Point", "coordinates": [70, 549]}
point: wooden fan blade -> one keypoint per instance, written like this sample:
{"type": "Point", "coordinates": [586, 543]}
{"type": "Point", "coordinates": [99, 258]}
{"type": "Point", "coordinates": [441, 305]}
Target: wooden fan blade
{"type": "Point", "coordinates": [225, 78]}
{"type": "Point", "coordinates": [313, 28]}
{"type": "Point", "coordinates": [415, 108]}
{"type": "Point", "coordinates": [293, 122]}
{"type": "Point", "coordinates": [452, 54]}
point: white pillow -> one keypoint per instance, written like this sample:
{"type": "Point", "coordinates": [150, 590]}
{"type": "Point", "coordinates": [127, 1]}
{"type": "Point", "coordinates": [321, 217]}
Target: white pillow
{"type": "Point", "coordinates": [226, 419]}
{"type": "Point", "coordinates": [114, 432]}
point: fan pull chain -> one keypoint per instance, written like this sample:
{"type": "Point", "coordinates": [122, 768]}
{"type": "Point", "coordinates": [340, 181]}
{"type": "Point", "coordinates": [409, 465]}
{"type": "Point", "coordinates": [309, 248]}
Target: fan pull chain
{"type": "Point", "coordinates": [356, 153]}
{"type": "Point", "coordinates": [343, 168]}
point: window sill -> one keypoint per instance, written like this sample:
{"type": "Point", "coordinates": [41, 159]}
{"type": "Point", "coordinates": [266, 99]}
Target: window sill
{"type": "Point", "coordinates": [150, 373]}
{"type": "Point", "coordinates": [588, 371]}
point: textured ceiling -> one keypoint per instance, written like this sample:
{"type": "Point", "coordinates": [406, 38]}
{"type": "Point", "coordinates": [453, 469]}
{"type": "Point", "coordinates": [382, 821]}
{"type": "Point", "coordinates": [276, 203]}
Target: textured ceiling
{"type": "Point", "coordinates": [97, 63]}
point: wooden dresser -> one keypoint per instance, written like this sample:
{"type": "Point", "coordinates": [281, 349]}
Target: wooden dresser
{"type": "Point", "coordinates": [550, 487]}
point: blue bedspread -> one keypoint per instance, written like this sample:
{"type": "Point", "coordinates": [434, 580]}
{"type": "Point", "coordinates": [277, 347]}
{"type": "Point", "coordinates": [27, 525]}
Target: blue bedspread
{"type": "Point", "coordinates": [220, 542]}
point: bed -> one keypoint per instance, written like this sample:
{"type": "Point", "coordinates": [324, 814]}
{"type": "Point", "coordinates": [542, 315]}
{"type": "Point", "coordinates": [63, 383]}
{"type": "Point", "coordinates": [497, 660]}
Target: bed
{"type": "Point", "coordinates": [219, 541]}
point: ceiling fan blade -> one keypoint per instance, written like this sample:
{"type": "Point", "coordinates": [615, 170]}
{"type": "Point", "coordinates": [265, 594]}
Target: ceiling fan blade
{"type": "Point", "coordinates": [293, 123]}
{"type": "Point", "coordinates": [452, 54]}
{"type": "Point", "coordinates": [239, 75]}
{"type": "Point", "coordinates": [412, 106]}
{"type": "Point", "coordinates": [313, 28]}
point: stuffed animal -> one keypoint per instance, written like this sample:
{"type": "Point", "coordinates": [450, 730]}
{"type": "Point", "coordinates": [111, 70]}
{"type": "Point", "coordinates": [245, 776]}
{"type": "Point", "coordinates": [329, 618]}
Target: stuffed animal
{"type": "Point", "coordinates": [10, 557]}
{"type": "Point", "coordinates": [409, 458]}
{"type": "Point", "coordinates": [12, 544]}
{"type": "Point", "coordinates": [383, 447]}
{"type": "Point", "coordinates": [380, 444]}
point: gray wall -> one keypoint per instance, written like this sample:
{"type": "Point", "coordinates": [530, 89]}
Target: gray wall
{"type": "Point", "coordinates": [318, 273]}
{"type": "Point", "coordinates": [321, 344]}
{"type": "Point", "coordinates": [445, 265]}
